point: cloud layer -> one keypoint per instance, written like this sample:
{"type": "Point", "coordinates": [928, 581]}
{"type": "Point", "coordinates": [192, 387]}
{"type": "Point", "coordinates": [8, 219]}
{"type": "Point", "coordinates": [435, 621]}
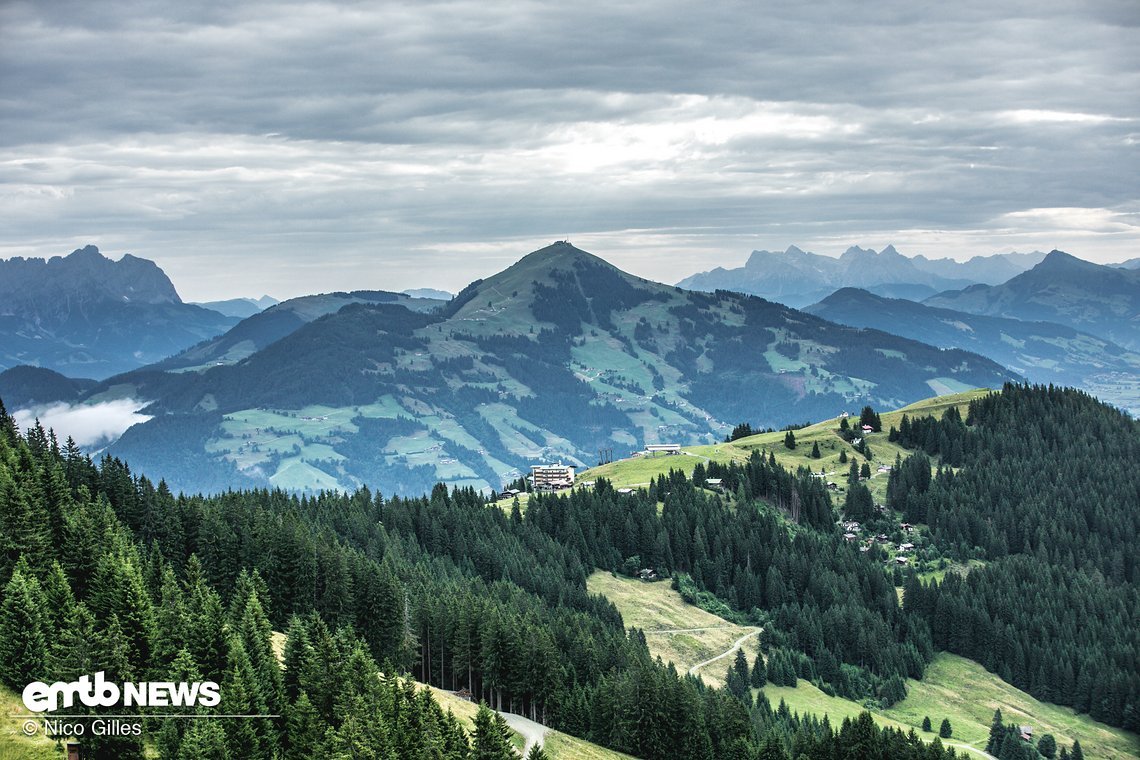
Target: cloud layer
{"type": "Point", "coordinates": [90, 425]}
{"type": "Point", "coordinates": [294, 147]}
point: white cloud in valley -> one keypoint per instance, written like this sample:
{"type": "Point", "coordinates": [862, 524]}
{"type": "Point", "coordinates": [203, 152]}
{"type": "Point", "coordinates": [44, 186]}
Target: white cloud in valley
{"type": "Point", "coordinates": [90, 425]}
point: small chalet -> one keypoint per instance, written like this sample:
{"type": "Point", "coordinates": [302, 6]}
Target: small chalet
{"type": "Point", "coordinates": [625, 490]}
{"type": "Point", "coordinates": [907, 527]}
{"type": "Point", "coordinates": [832, 486]}
{"type": "Point", "coordinates": [906, 547]}
{"type": "Point", "coordinates": [714, 483]}
{"type": "Point", "coordinates": [868, 429]}
{"type": "Point", "coordinates": [849, 537]}
{"type": "Point", "coordinates": [1026, 733]}
{"type": "Point", "coordinates": [883, 538]}
{"type": "Point", "coordinates": [901, 560]}
{"type": "Point", "coordinates": [647, 574]}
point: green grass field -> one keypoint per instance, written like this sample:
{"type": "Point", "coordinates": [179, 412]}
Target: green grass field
{"type": "Point", "coordinates": [966, 694]}
{"type": "Point", "coordinates": [14, 745]}
{"type": "Point", "coordinates": [640, 470]}
{"type": "Point", "coordinates": [675, 631]}
{"type": "Point", "coordinates": [560, 746]}
{"type": "Point", "coordinates": [557, 745]}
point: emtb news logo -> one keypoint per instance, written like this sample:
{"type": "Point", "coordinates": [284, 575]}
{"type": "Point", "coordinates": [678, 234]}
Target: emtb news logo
{"type": "Point", "coordinates": [95, 691]}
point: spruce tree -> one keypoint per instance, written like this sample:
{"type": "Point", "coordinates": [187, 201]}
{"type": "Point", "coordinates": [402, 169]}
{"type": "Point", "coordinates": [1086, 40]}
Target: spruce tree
{"type": "Point", "coordinates": [790, 440]}
{"type": "Point", "coordinates": [23, 643]}
{"type": "Point", "coordinates": [926, 723]}
{"type": "Point", "coordinates": [204, 740]}
{"type": "Point", "coordinates": [815, 450]}
{"type": "Point", "coordinates": [945, 731]}
{"type": "Point", "coordinates": [1047, 746]}
{"type": "Point", "coordinates": [72, 651]}
{"type": "Point", "coordinates": [740, 665]}
{"type": "Point", "coordinates": [490, 741]}
{"type": "Point", "coordinates": [305, 732]}
{"type": "Point", "coordinates": [58, 600]}
{"type": "Point", "coordinates": [758, 672]}
{"type": "Point", "coordinates": [843, 456]}
{"type": "Point", "coordinates": [997, 732]}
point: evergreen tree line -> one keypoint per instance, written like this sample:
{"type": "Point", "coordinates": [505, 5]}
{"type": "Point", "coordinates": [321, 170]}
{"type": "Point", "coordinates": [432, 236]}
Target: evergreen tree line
{"type": "Point", "coordinates": [191, 588]}
{"type": "Point", "coordinates": [1007, 743]}
{"type": "Point", "coordinates": [94, 599]}
{"type": "Point", "coordinates": [813, 591]}
{"type": "Point", "coordinates": [1046, 491]}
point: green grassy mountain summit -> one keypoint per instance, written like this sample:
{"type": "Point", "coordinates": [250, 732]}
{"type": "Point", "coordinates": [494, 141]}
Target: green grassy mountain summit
{"type": "Point", "coordinates": [559, 357]}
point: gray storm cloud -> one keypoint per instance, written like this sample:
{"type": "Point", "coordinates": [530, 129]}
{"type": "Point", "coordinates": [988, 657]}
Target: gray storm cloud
{"type": "Point", "coordinates": [323, 145]}
{"type": "Point", "coordinates": [90, 425]}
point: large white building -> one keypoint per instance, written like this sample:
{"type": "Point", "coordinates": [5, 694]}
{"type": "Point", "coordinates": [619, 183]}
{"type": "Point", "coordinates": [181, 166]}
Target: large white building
{"type": "Point", "coordinates": [551, 477]}
{"type": "Point", "coordinates": [663, 448]}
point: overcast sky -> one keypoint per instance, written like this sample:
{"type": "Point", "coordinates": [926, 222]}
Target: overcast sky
{"type": "Point", "coordinates": [289, 148]}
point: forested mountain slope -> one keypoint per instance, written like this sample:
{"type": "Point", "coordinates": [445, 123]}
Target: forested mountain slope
{"type": "Point", "coordinates": [1093, 298]}
{"type": "Point", "coordinates": [1046, 488]}
{"type": "Point", "coordinates": [1043, 352]}
{"type": "Point", "coordinates": [279, 320]}
{"type": "Point", "coordinates": [153, 585]}
{"type": "Point", "coordinates": [555, 358]}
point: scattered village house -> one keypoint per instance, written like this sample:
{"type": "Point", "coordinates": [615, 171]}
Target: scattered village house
{"type": "Point", "coordinates": [551, 477]}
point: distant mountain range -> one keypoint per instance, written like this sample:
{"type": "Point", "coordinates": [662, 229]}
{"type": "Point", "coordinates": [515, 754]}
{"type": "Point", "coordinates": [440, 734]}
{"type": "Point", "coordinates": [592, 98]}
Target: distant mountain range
{"type": "Point", "coordinates": [240, 307]}
{"type": "Point", "coordinates": [432, 293]}
{"type": "Point", "coordinates": [274, 323]}
{"type": "Point", "coordinates": [1101, 300]}
{"type": "Point", "coordinates": [559, 357]}
{"type": "Point", "coordinates": [1130, 264]}
{"type": "Point", "coordinates": [88, 316]}
{"type": "Point", "coordinates": [797, 278]}
{"type": "Point", "coordinates": [1044, 352]}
